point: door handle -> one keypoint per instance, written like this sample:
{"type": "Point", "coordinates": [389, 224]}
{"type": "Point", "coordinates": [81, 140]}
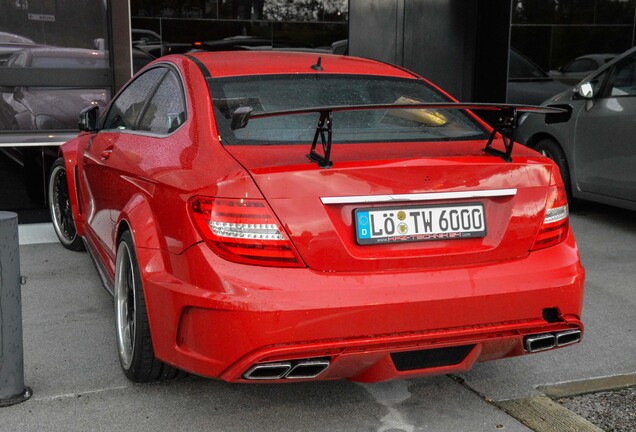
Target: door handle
{"type": "Point", "coordinates": [106, 153]}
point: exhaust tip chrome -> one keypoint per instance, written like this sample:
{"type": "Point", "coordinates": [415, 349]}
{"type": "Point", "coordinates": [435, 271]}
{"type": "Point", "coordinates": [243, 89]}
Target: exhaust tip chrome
{"type": "Point", "coordinates": [307, 369]}
{"type": "Point", "coordinates": [539, 342]}
{"type": "Point", "coordinates": [268, 371]}
{"type": "Point", "coordinates": [568, 337]}
{"type": "Point", "coordinates": [293, 369]}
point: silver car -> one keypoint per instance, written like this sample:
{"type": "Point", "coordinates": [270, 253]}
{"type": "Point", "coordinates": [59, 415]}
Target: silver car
{"type": "Point", "coordinates": [580, 67]}
{"type": "Point", "coordinates": [595, 148]}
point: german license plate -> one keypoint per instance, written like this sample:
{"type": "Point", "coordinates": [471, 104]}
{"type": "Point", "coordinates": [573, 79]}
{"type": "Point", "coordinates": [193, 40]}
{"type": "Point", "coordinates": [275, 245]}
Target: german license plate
{"type": "Point", "coordinates": [410, 224]}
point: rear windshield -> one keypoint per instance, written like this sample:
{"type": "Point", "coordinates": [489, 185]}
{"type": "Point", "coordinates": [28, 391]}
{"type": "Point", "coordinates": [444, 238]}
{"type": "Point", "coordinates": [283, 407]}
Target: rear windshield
{"type": "Point", "coordinates": [269, 93]}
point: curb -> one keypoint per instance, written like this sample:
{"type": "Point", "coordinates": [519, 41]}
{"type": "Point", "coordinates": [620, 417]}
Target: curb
{"type": "Point", "coordinates": [594, 385]}
{"type": "Point", "coordinates": [543, 414]}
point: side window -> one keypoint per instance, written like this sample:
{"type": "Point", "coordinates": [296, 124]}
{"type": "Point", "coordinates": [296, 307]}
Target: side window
{"type": "Point", "coordinates": [623, 80]}
{"type": "Point", "coordinates": [166, 110]}
{"type": "Point", "coordinates": [17, 60]}
{"type": "Point", "coordinates": [125, 110]}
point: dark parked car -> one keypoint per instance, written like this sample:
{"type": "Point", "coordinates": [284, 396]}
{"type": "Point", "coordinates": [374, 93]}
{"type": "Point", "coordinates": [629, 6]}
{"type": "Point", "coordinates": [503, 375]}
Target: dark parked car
{"type": "Point", "coordinates": [50, 108]}
{"type": "Point", "coordinates": [580, 67]}
{"type": "Point", "coordinates": [595, 149]}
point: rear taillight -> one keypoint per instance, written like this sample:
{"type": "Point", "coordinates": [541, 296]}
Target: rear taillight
{"type": "Point", "coordinates": [556, 220]}
{"type": "Point", "coordinates": [244, 231]}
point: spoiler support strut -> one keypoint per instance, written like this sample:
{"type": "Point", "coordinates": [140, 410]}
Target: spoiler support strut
{"type": "Point", "coordinates": [326, 117]}
{"type": "Point", "coordinates": [506, 126]}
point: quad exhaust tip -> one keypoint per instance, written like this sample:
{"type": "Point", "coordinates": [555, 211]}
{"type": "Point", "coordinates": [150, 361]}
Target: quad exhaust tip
{"type": "Point", "coordinates": [297, 369]}
{"type": "Point", "coordinates": [546, 341]}
{"type": "Point", "coordinates": [568, 337]}
{"type": "Point", "coordinates": [268, 371]}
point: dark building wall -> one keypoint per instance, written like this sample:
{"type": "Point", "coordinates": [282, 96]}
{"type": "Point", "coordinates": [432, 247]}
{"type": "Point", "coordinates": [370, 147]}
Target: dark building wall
{"type": "Point", "coordinates": [120, 34]}
{"type": "Point", "coordinates": [459, 45]}
{"type": "Point", "coordinates": [439, 41]}
{"type": "Point", "coordinates": [375, 29]}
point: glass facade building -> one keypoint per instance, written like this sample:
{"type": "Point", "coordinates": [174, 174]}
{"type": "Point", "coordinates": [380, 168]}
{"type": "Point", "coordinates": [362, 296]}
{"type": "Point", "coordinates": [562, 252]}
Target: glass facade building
{"type": "Point", "coordinates": [59, 56]}
{"type": "Point", "coordinates": [555, 43]}
{"type": "Point", "coordinates": [54, 61]}
{"type": "Point", "coordinates": [554, 32]}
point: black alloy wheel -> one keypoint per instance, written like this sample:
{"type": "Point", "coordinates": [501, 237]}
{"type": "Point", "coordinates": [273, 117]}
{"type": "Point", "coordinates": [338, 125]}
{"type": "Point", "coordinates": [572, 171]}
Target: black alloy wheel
{"type": "Point", "coordinates": [60, 208]}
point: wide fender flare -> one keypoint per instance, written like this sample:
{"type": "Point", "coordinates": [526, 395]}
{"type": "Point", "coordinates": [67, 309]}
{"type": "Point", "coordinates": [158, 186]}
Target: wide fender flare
{"type": "Point", "coordinates": [138, 217]}
{"type": "Point", "coordinates": [69, 153]}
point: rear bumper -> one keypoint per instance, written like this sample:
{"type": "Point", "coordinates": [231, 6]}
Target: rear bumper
{"type": "Point", "coordinates": [215, 318]}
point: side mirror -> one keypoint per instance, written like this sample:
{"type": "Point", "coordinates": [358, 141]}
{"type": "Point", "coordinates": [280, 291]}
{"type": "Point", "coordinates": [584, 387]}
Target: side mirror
{"type": "Point", "coordinates": [586, 90]}
{"type": "Point", "coordinates": [89, 119]}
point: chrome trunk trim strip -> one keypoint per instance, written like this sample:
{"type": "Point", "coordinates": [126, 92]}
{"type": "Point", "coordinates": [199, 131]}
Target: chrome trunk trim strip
{"type": "Point", "coordinates": [418, 197]}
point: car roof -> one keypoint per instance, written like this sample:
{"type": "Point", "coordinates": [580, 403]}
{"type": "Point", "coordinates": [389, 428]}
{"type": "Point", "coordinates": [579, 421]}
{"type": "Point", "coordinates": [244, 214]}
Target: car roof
{"type": "Point", "coordinates": [599, 58]}
{"type": "Point", "coordinates": [609, 64]}
{"type": "Point", "coordinates": [11, 38]}
{"type": "Point", "coordinates": [241, 63]}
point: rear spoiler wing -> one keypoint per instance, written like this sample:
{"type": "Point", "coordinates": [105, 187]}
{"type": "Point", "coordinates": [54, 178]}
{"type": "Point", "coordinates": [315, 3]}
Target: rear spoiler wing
{"type": "Point", "coordinates": [506, 124]}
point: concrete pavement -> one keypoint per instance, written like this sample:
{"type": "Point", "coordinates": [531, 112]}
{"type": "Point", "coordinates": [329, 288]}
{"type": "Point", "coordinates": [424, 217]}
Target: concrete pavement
{"type": "Point", "coordinates": [71, 361]}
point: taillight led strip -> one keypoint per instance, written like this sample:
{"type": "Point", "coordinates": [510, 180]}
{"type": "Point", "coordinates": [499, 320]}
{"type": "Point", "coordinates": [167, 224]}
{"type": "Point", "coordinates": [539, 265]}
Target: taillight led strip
{"type": "Point", "coordinates": [556, 220]}
{"type": "Point", "coordinates": [244, 231]}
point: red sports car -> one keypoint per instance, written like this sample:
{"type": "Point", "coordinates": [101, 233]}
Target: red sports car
{"type": "Point", "coordinates": [271, 217]}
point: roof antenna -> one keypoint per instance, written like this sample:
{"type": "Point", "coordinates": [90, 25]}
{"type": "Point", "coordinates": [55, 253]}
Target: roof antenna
{"type": "Point", "coordinates": [318, 65]}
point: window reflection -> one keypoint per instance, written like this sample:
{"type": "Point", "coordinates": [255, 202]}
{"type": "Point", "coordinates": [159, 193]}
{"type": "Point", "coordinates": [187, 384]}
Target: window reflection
{"type": "Point", "coordinates": [270, 10]}
{"type": "Point", "coordinates": [62, 23]}
{"type": "Point", "coordinates": [48, 35]}
{"type": "Point", "coordinates": [568, 39]}
{"type": "Point", "coordinates": [573, 12]}
{"type": "Point", "coordinates": [160, 27]}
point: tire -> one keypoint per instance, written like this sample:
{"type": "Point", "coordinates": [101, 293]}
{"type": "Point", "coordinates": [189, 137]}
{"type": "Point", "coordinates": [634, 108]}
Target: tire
{"type": "Point", "coordinates": [550, 149]}
{"type": "Point", "coordinates": [134, 343]}
{"type": "Point", "coordinates": [60, 208]}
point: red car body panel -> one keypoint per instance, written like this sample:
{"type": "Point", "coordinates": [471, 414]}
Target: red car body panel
{"type": "Point", "coordinates": [353, 304]}
{"type": "Point", "coordinates": [292, 190]}
{"type": "Point", "coordinates": [263, 63]}
{"type": "Point", "coordinates": [359, 316]}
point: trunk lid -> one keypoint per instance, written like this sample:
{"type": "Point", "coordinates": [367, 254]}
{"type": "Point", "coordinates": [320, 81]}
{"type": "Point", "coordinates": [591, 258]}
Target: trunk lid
{"type": "Point", "coordinates": [317, 206]}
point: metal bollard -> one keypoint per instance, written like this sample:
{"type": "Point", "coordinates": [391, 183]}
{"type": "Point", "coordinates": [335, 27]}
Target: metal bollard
{"type": "Point", "coordinates": [12, 388]}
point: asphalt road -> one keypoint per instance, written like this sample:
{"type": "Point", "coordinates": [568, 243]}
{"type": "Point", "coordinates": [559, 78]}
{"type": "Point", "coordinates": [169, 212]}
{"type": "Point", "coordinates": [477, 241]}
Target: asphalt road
{"type": "Point", "coordinates": [71, 363]}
